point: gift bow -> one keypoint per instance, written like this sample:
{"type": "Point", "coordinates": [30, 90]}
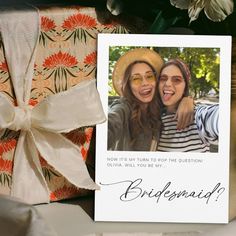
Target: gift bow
{"type": "Point", "coordinates": [41, 126]}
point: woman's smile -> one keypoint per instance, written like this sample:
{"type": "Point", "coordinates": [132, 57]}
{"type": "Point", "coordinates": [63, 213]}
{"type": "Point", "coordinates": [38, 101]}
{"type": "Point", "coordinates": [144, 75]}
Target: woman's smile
{"type": "Point", "coordinates": [167, 94]}
{"type": "Point", "coordinates": [146, 92]}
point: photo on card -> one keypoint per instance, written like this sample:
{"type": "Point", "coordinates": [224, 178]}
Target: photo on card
{"type": "Point", "coordinates": [196, 75]}
{"type": "Point", "coordinates": [163, 154]}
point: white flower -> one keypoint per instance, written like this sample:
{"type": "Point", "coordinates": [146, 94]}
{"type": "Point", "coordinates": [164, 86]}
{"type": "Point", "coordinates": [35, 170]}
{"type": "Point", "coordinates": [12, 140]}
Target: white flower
{"type": "Point", "coordinates": [215, 10]}
{"type": "Point", "coordinates": [115, 6]}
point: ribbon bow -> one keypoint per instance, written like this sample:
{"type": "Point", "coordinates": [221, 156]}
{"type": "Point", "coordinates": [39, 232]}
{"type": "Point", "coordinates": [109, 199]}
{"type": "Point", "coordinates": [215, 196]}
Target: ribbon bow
{"type": "Point", "coordinates": [41, 126]}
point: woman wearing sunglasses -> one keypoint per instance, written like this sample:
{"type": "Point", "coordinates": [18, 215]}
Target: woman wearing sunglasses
{"type": "Point", "coordinates": [173, 85]}
{"type": "Point", "coordinates": [134, 120]}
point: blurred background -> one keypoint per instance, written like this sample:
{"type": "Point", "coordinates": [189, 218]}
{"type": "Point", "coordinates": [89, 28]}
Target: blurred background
{"type": "Point", "coordinates": [202, 62]}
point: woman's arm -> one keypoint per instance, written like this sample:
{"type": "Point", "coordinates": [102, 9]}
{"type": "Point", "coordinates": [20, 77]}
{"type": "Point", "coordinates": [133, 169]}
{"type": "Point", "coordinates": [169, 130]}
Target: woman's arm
{"type": "Point", "coordinates": [118, 118]}
{"type": "Point", "coordinates": [185, 113]}
{"type": "Point", "coordinates": [206, 118]}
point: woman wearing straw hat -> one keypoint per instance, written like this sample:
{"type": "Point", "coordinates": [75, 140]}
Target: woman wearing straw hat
{"type": "Point", "coordinates": [134, 120]}
{"type": "Point", "coordinates": [173, 85]}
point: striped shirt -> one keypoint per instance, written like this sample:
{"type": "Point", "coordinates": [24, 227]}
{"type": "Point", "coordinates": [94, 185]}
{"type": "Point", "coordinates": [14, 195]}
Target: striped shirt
{"type": "Point", "coordinates": [197, 137]}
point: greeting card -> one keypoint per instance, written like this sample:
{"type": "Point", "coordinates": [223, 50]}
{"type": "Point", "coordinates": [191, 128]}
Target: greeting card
{"type": "Point", "coordinates": [163, 154]}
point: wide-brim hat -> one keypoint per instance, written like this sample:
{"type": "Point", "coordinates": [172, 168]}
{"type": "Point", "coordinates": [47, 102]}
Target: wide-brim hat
{"type": "Point", "coordinates": [137, 54]}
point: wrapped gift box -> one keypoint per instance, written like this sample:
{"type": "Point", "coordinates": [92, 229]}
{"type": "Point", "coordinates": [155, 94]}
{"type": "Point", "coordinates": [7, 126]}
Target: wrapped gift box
{"type": "Point", "coordinates": [65, 56]}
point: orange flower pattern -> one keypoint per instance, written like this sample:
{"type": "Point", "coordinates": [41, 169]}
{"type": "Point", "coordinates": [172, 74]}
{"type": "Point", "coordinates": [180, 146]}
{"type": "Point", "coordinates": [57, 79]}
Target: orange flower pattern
{"type": "Point", "coordinates": [4, 75]}
{"type": "Point", "coordinates": [3, 67]}
{"type": "Point", "coordinates": [66, 54]}
{"type": "Point", "coordinates": [78, 21]}
{"type": "Point", "coordinates": [90, 62]}
{"type": "Point", "coordinates": [5, 172]}
{"type": "Point", "coordinates": [81, 26]}
{"type": "Point", "coordinates": [47, 30]}
{"type": "Point", "coordinates": [91, 59]}
{"type": "Point", "coordinates": [47, 24]}
{"type": "Point", "coordinates": [5, 164]}
{"type": "Point", "coordinates": [60, 60]}
{"type": "Point", "coordinates": [64, 192]}
{"type": "Point", "coordinates": [6, 146]}
{"type": "Point", "coordinates": [5, 84]}
{"type": "Point", "coordinates": [81, 137]}
{"type": "Point", "coordinates": [115, 28]}
{"type": "Point", "coordinates": [60, 66]}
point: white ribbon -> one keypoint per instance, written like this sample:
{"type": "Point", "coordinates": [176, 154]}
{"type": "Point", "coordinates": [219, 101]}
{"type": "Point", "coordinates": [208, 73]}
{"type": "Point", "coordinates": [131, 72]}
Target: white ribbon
{"type": "Point", "coordinates": [41, 125]}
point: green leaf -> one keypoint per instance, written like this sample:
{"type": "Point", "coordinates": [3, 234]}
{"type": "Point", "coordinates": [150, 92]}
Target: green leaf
{"type": "Point", "coordinates": [161, 23]}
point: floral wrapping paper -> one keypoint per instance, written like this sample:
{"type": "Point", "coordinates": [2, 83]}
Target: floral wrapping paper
{"type": "Point", "coordinates": [66, 55]}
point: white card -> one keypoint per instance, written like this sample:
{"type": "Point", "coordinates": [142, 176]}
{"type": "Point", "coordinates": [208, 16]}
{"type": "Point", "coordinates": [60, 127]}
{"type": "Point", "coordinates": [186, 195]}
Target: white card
{"type": "Point", "coordinates": [155, 186]}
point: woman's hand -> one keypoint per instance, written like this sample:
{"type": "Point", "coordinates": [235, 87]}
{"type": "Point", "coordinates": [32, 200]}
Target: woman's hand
{"type": "Point", "coordinates": [185, 113]}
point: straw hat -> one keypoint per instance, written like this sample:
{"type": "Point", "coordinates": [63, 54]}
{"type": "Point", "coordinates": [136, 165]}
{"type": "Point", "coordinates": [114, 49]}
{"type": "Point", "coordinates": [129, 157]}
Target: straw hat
{"type": "Point", "coordinates": [138, 54]}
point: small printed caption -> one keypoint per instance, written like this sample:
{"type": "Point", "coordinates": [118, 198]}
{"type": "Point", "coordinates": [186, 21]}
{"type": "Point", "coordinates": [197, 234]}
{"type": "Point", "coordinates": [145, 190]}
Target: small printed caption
{"type": "Point", "coordinates": [142, 162]}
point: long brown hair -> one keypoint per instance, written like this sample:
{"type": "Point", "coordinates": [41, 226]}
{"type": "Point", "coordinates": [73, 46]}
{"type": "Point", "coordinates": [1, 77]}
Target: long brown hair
{"type": "Point", "coordinates": [142, 118]}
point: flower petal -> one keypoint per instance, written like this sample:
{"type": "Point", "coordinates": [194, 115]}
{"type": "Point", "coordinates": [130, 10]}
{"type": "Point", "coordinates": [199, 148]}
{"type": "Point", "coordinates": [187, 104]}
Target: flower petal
{"type": "Point", "coordinates": [182, 4]}
{"type": "Point", "coordinates": [218, 10]}
{"type": "Point", "coordinates": [115, 7]}
{"type": "Point", "coordinates": [195, 8]}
